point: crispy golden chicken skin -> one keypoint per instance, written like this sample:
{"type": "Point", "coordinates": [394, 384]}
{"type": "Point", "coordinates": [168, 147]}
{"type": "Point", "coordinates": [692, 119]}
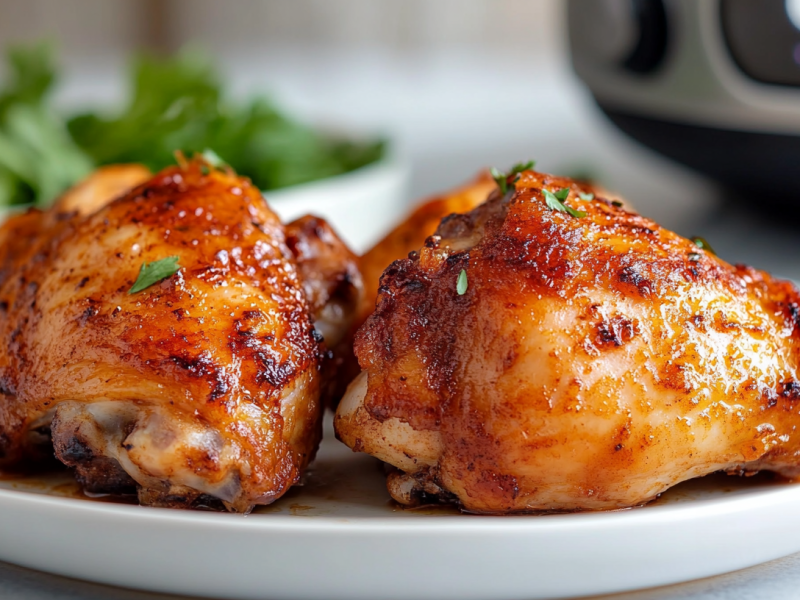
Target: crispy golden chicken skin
{"type": "Point", "coordinates": [202, 388]}
{"type": "Point", "coordinates": [406, 237]}
{"type": "Point", "coordinates": [335, 291]}
{"type": "Point", "coordinates": [101, 187]}
{"type": "Point", "coordinates": [591, 362]}
{"type": "Point", "coordinates": [411, 233]}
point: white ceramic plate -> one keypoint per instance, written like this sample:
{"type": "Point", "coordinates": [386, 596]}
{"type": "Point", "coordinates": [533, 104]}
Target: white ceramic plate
{"type": "Point", "coordinates": [340, 537]}
{"type": "Point", "coordinates": [362, 206]}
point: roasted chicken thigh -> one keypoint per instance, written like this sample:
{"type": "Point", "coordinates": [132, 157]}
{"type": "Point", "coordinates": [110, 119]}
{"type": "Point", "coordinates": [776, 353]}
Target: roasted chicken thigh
{"type": "Point", "coordinates": [202, 388]}
{"type": "Point", "coordinates": [533, 359]}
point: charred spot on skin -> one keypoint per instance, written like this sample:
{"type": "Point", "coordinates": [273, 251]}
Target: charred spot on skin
{"type": "Point", "coordinates": [791, 390]}
{"type": "Point", "coordinates": [771, 398]}
{"type": "Point", "coordinates": [412, 285]}
{"type": "Point", "coordinates": [432, 243]}
{"type": "Point", "coordinates": [617, 331]}
{"type": "Point", "coordinates": [618, 447]}
{"type": "Point", "coordinates": [272, 372]}
{"type": "Point", "coordinates": [220, 389]}
{"type": "Point", "coordinates": [82, 283]}
{"type": "Point", "coordinates": [631, 276]}
{"type": "Point", "coordinates": [6, 387]}
{"type": "Point", "coordinates": [794, 314]}
{"type": "Point", "coordinates": [76, 451]}
{"type": "Point", "coordinates": [90, 312]}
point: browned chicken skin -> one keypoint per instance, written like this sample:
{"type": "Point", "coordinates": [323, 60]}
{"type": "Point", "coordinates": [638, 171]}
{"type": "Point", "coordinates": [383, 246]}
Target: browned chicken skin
{"type": "Point", "coordinates": [591, 363]}
{"type": "Point", "coordinates": [411, 233]}
{"type": "Point", "coordinates": [201, 389]}
{"type": "Point", "coordinates": [407, 236]}
{"type": "Point", "coordinates": [101, 187]}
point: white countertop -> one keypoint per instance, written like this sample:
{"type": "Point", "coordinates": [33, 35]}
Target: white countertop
{"type": "Point", "coordinates": [776, 580]}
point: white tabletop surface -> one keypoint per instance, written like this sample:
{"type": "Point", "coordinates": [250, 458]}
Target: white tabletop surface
{"type": "Point", "coordinates": [454, 115]}
{"type": "Point", "coordinates": [776, 580]}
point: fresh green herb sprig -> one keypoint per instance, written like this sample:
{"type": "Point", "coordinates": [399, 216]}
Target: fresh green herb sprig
{"type": "Point", "coordinates": [586, 197]}
{"type": "Point", "coordinates": [703, 244]}
{"type": "Point", "coordinates": [462, 283]}
{"type": "Point", "coordinates": [179, 103]}
{"type": "Point", "coordinates": [175, 104]}
{"type": "Point", "coordinates": [502, 178]}
{"type": "Point", "coordinates": [152, 273]}
{"type": "Point", "coordinates": [213, 159]}
{"type": "Point", "coordinates": [555, 201]}
{"type": "Point", "coordinates": [38, 158]}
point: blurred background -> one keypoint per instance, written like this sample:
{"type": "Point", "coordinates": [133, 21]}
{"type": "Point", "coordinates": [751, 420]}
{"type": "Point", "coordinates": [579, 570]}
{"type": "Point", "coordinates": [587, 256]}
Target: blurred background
{"type": "Point", "coordinates": [455, 85]}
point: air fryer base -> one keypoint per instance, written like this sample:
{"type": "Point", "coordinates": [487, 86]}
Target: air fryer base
{"type": "Point", "coordinates": [762, 167]}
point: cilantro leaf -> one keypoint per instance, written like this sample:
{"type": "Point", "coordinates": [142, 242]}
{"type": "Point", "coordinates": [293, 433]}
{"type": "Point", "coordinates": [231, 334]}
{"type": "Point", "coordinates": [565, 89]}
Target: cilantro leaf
{"type": "Point", "coordinates": [152, 273]}
{"type": "Point", "coordinates": [502, 178]}
{"type": "Point", "coordinates": [554, 203]}
{"type": "Point", "coordinates": [520, 167]}
{"type": "Point", "coordinates": [461, 284]}
{"type": "Point", "coordinates": [562, 194]}
{"type": "Point", "coordinates": [586, 197]}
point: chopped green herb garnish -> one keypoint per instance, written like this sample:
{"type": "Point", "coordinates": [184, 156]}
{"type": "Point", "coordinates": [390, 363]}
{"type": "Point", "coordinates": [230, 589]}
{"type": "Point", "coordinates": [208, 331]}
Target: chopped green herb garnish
{"type": "Point", "coordinates": [562, 194]}
{"type": "Point", "coordinates": [213, 159]}
{"type": "Point", "coordinates": [616, 203]}
{"type": "Point", "coordinates": [586, 197]}
{"type": "Point", "coordinates": [152, 273]}
{"type": "Point", "coordinates": [520, 167]}
{"type": "Point", "coordinates": [461, 284]}
{"type": "Point", "coordinates": [501, 178]}
{"type": "Point", "coordinates": [554, 203]}
{"type": "Point", "coordinates": [703, 244]}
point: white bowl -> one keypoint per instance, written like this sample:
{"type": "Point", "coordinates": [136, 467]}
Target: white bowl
{"type": "Point", "coordinates": [362, 205]}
